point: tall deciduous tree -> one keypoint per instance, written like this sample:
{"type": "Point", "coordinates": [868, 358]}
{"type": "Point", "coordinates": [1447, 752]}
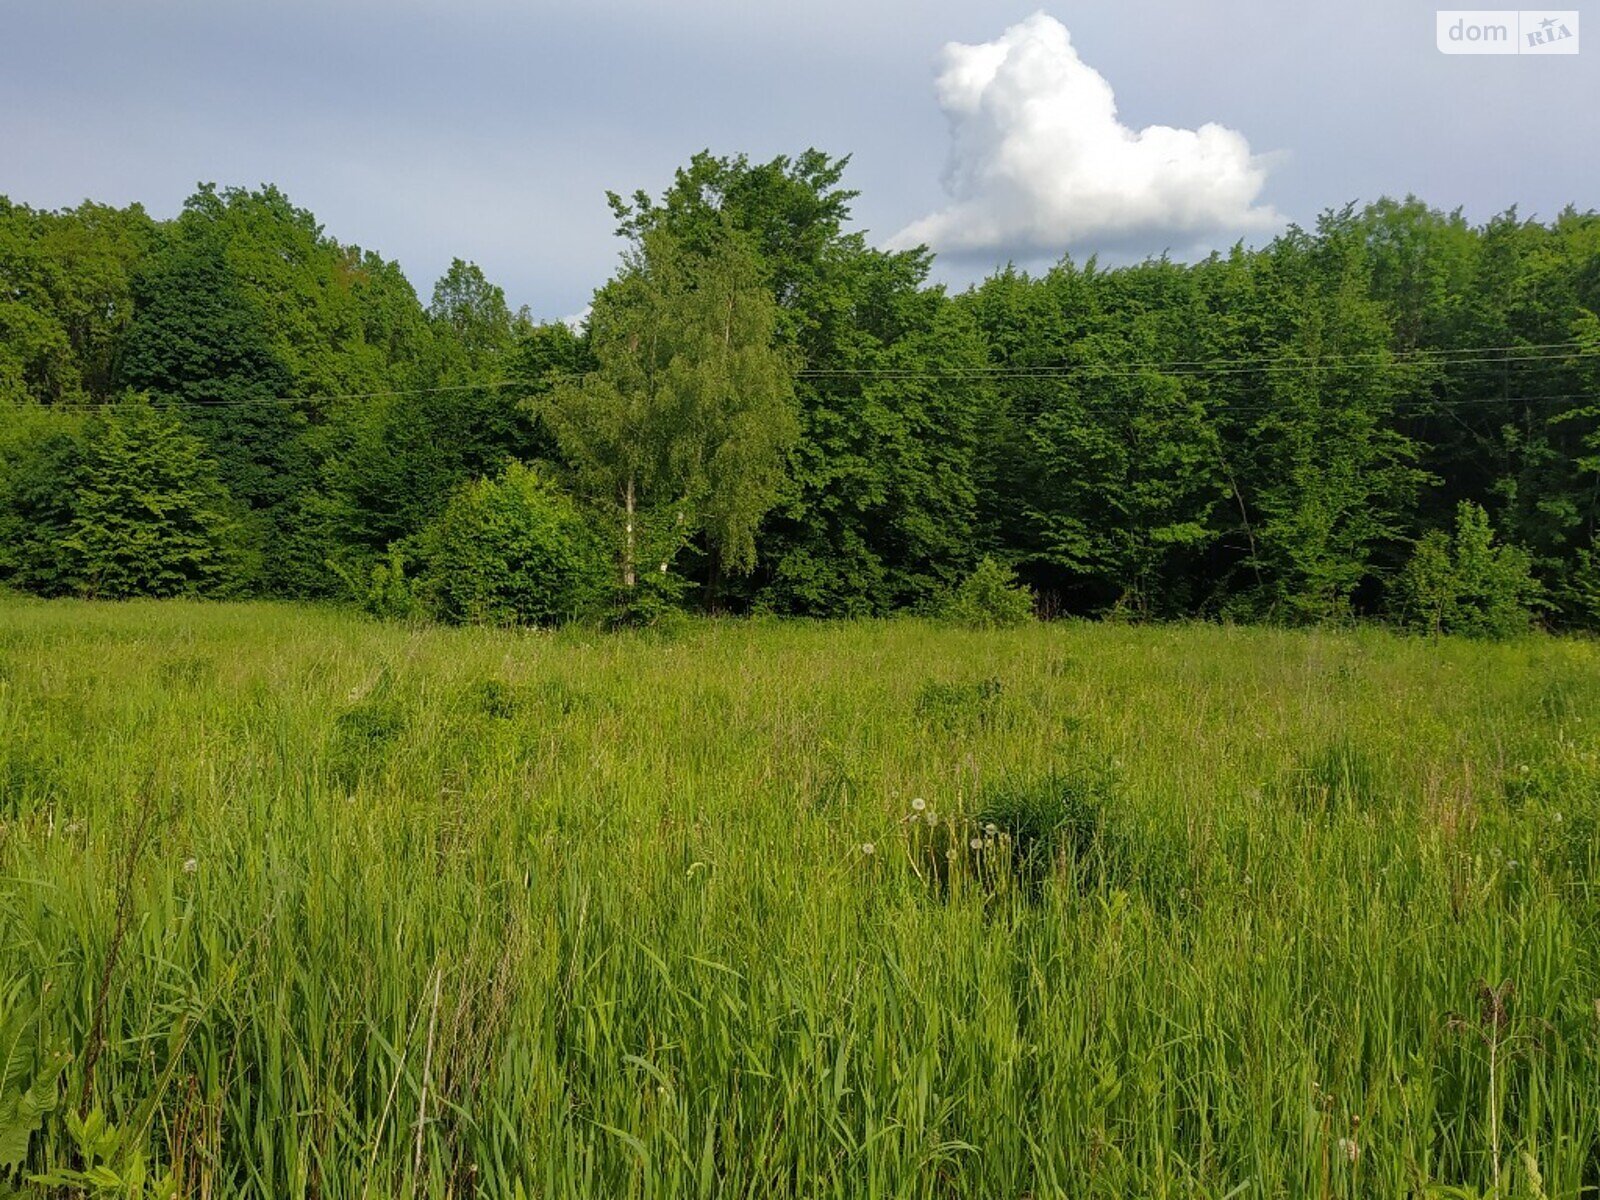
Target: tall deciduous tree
{"type": "Point", "coordinates": [683, 424]}
{"type": "Point", "coordinates": [879, 508]}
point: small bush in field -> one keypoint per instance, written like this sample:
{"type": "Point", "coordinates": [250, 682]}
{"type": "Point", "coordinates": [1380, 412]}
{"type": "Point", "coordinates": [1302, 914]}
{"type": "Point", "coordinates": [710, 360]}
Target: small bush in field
{"type": "Point", "coordinates": [511, 551]}
{"type": "Point", "coordinates": [1057, 815]}
{"type": "Point", "coordinates": [384, 591]}
{"type": "Point", "coordinates": [1017, 836]}
{"type": "Point", "coordinates": [990, 598]}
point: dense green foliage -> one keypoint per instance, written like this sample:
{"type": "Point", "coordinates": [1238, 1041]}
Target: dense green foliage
{"type": "Point", "coordinates": [510, 550]}
{"type": "Point", "coordinates": [681, 427]}
{"type": "Point", "coordinates": [1468, 584]}
{"type": "Point", "coordinates": [333, 908]}
{"type": "Point", "coordinates": [989, 598]}
{"type": "Point", "coordinates": [1264, 434]}
{"type": "Point", "coordinates": [123, 502]}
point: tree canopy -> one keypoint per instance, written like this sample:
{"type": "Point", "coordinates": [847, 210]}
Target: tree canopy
{"type": "Point", "coordinates": [765, 412]}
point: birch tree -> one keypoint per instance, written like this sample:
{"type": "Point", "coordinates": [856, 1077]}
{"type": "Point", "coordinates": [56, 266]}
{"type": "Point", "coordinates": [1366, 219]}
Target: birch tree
{"type": "Point", "coordinates": [681, 429]}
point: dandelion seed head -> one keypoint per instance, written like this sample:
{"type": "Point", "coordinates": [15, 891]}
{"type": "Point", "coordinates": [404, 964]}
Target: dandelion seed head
{"type": "Point", "coordinates": [976, 843]}
{"type": "Point", "coordinates": [919, 804]}
{"type": "Point", "coordinates": [868, 849]}
{"type": "Point", "coordinates": [190, 866]}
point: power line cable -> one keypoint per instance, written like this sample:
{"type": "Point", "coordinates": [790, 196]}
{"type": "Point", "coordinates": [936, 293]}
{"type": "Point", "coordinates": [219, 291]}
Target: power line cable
{"type": "Point", "coordinates": [1554, 353]}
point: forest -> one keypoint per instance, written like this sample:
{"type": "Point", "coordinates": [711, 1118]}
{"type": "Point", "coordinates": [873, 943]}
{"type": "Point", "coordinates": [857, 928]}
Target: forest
{"type": "Point", "coordinates": [1392, 415]}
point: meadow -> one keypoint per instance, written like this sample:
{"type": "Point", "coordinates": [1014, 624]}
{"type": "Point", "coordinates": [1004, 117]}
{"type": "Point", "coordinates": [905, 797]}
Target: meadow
{"type": "Point", "coordinates": [297, 904]}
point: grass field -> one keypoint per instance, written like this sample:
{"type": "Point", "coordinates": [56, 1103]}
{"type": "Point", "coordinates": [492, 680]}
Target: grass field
{"type": "Point", "coordinates": [330, 908]}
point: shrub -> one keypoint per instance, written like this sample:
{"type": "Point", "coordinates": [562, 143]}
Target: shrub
{"type": "Point", "coordinates": [990, 598]}
{"type": "Point", "coordinates": [1017, 836]}
{"type": "Point", "coordinates": [150, 515]}
{"type": "Point", "coordinates": [384, 591]}
{"type": "Point", "coordinates": [1045, 817]}
{"type": "Point", "coordinates": [41, 454]}
{"type": "Point", "coordinates": [511, 550]}
{"type": "Point", "coordinates": [1468, 584]}
{"type": "Point", "coordinates": [1580, 590]}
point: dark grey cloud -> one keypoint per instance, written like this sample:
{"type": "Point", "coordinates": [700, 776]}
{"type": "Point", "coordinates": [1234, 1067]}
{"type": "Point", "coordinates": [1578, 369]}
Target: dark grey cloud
{"type": "Point", "coordinates": [490, 130]}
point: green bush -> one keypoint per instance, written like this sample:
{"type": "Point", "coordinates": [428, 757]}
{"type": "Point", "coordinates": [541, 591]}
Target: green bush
{"type": "Point", "coordinates": [1467, 583]}
{"type": "Point", "coordinates": [511, 551]}
{"type": "Point", "coordinates": [1044, 817]}
{"type": "Point", "coordinates": [383, 590]}
{"type": "Point", "coordinates": [990, 598]}
{"type": "Point", "coordinates": [1580, 591]}
{"type": "Point", "coordinates": [150, 515]}
{"type": "Point", "coordinates": [41, 454]}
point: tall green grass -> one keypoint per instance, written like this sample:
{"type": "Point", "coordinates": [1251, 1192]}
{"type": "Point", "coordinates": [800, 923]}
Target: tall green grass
{"type": "Point", "coordinates": [451, 913]}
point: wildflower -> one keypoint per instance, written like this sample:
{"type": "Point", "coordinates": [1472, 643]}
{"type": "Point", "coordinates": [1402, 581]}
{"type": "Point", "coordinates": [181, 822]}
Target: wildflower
{"type": "Point", "coordinates": [930, 818]}
{"type": "Point", "coordinates": [991, 829]}
{"type": "Point", "coordinates": [919, 804]}
{"type": "Point", "coordinates": [976, 843]}
{"type": "Point", "coordinates": [868, 849]}
{"type": "Point", "coordinates": [190, 866]}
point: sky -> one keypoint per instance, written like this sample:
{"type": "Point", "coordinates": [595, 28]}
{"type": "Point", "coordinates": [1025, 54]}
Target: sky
{"type": "Point", "coordinates": [993, 131]}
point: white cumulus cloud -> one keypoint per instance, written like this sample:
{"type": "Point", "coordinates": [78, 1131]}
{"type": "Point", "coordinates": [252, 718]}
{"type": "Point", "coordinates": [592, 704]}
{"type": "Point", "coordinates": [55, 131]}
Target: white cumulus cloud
{"type": "Point", "coordinates": [1040, 162]}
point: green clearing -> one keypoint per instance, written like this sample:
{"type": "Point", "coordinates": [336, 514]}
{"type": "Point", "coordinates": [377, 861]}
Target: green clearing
{"type": "Point", "coordinates": [597, 908]}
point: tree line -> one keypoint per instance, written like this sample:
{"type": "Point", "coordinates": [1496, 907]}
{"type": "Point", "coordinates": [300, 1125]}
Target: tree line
{"type": "Point", "coordinates": [1393, 414]}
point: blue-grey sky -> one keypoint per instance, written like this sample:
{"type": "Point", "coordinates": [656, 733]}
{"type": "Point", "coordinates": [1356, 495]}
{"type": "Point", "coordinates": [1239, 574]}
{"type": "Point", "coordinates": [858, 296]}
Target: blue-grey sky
{"type": "Point", "coordinates": [490, 130]}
